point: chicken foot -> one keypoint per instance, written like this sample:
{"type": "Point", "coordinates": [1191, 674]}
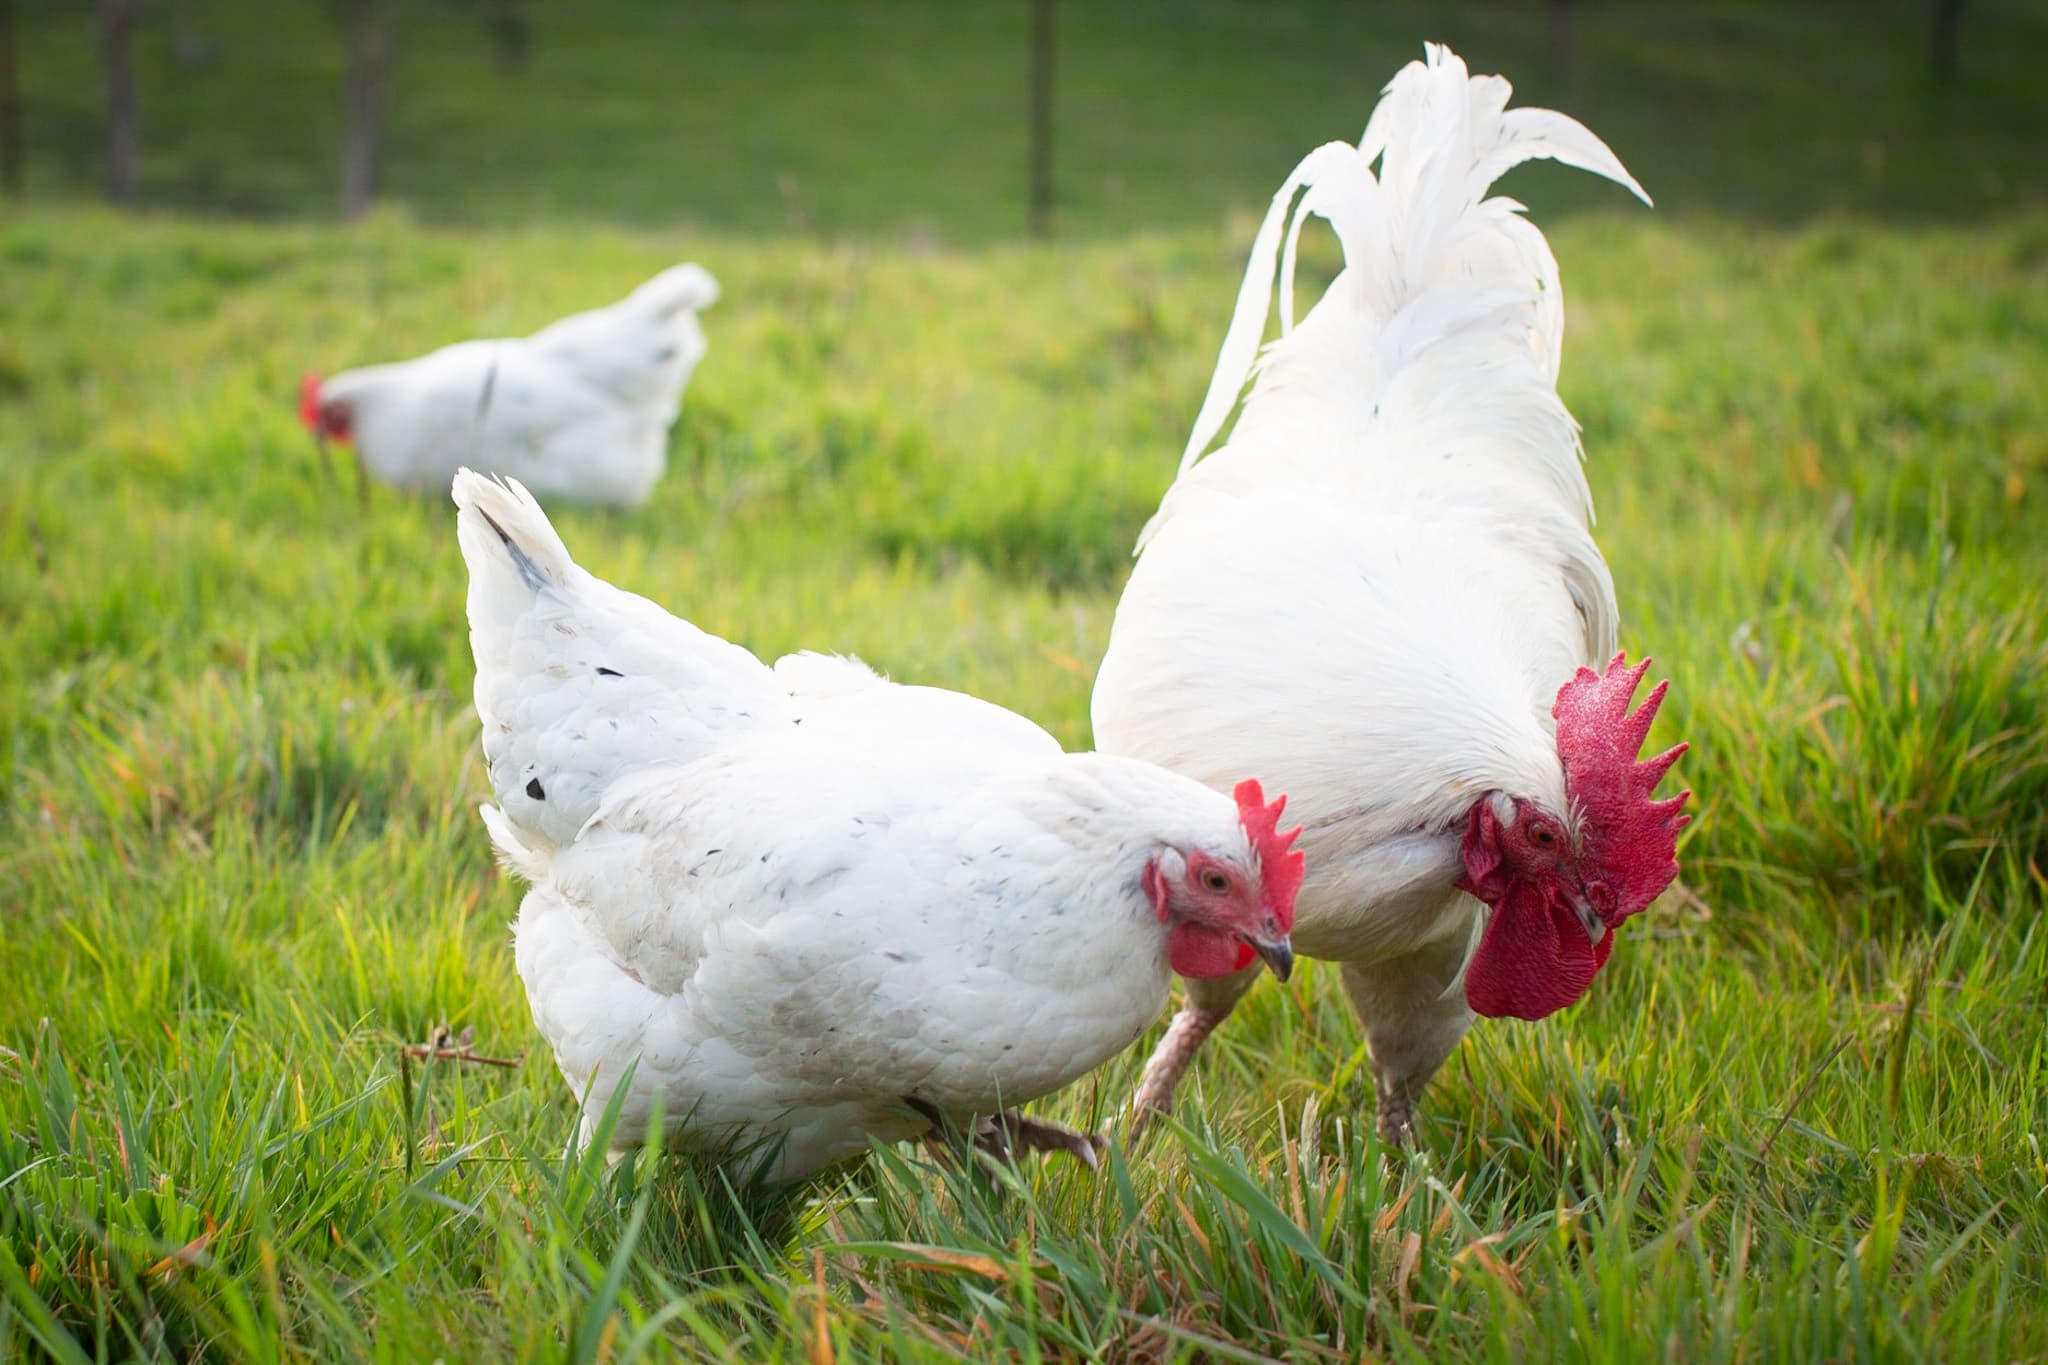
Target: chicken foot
{"type": "Point", "coordinates": [1006, 1134]}
{"type": "Point", "coordinates": [1011, 1132]}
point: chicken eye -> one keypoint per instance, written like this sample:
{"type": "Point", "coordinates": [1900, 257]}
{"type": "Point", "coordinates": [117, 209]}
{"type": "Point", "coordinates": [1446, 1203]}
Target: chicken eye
{"type": "Point", "coordinates": [1214, 882]}
{"type": "Point", "coordinates": [1543, 836]}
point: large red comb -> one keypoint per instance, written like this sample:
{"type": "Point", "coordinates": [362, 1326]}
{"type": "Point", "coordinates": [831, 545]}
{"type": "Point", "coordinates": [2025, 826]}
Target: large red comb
{"type": "Point", "coordinates": [1281, 865]}
{"type": "Point", "coordinates": [1630, 837]}
{"type": "Point", "coordinates": [309, 401]}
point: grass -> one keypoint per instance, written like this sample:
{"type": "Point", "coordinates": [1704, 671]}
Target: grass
{"type": "Point", "coordinates": [1801, 1116]}
{"type": "Point", "coordinates": [906, 118]}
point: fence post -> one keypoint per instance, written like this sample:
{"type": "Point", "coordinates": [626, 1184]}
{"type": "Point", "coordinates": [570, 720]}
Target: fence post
{"type": "Point", "coordinates": [1948, 37]}
{"type": "Point", "coordinates": [1041, 117]}
{"type": "Point", "coordinates": [10, 103]}
{"type": "Point", "coordinates": [366, 48]}
{"type": "Point", "coordinates": [124, 118]}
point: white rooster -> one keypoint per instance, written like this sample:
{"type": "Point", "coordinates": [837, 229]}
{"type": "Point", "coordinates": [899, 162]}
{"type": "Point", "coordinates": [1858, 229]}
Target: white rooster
{"type": "Point", "coordinates": [807, 906]}
{"type": "Point", "coordinates": [1394, 543]}
{"type": "Point", "coordinates": [581, 409]}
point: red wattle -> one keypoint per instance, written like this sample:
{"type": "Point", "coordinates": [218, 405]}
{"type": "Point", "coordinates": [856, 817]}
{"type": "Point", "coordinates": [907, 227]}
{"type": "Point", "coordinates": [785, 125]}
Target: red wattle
{"type": "Point", "coordinates": [1199, 952]}
{"type": "Point", "coordinates": [1534, 959]}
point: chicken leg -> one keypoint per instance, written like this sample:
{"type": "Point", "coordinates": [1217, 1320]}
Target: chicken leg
{"type": "Point", "coordinates": [1208, 1004]}
{"type": "Point", "coordinates": [1413, 1015]}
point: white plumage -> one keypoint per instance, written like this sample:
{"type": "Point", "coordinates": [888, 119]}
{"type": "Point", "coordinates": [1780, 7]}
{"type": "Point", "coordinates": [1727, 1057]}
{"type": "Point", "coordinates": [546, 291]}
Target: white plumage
{"type": "Point", "coordinates": [580, 409]}
{"type": "Point", "coordinates": [809, 905]}
{"type": "Point", "coordinates": [1394, 543]}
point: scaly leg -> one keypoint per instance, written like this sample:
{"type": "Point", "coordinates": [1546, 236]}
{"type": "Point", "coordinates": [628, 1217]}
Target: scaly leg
{"type": "Point", "coordinates": [1208, 1004]}
{"type": "Point", "coordinates": [1413, 1018]}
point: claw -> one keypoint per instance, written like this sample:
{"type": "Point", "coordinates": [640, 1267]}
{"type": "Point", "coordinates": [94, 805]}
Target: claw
{"type": "Point", "coordinates": [1011, 1132]}
{"type": "Point", "coordinates": [1004, 1135]}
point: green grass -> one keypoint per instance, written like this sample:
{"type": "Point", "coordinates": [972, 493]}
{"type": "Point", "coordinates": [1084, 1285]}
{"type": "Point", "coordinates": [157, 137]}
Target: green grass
{"type": "Point", "coordinates": [905, 119]}
{"type": "Point", "coordinates": [1801, 1116]}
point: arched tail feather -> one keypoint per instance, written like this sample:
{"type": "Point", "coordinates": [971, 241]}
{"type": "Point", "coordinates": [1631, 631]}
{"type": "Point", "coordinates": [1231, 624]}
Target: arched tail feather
{"type": "Point", "coordinates": [1441, 139]}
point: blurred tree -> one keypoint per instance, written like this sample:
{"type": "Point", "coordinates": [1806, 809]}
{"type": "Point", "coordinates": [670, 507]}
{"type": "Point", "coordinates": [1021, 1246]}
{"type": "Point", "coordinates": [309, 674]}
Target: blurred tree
{"type": "Point", "coordinates": [1948, 34]}
{"type": "Point", "coordinates": [1041, 117]}
{"type": "Point", "coordinates": [124, 118]}
{"type": "Point", "coordinates": [10, 103]}
{"type": "Point", "coordinates": [366, 53]}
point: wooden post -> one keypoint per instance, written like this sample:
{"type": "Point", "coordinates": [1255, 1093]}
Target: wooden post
{"type": "Point", "coordinates": [511, 32]}
{"type": "Point", "coordinates": [366, 46]}
{"type": "Point", "coordinates": [1948, 37]}
{"type": "Point", "coordinates": [1562, 57]}
{"type": "Point", "coordinates": [124, 118]}
{"type": "Point", "coordinates": [10, 103]}
{"type": "Point", "coordinates": [1041, 117]}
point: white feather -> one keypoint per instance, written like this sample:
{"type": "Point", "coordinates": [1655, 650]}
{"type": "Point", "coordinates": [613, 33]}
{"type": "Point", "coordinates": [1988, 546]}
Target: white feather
{"type": "Point", "coordinates": [1370, 595]}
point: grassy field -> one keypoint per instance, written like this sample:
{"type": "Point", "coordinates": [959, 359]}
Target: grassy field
{"type": "Point", "coordinates": [1801, 1116]}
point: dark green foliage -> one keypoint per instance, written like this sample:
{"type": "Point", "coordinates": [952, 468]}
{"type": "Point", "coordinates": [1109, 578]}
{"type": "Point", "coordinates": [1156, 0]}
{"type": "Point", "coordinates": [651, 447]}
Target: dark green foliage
{"type": "Point", "coordinates": [906, 119]}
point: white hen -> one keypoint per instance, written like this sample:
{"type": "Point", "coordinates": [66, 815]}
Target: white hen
{"type": "Point", "coordinates": [581, 409]}
{"type": "Point", "coordinates": [1395, 543]}
{"type": "Point", "coordinates": [805, 905]}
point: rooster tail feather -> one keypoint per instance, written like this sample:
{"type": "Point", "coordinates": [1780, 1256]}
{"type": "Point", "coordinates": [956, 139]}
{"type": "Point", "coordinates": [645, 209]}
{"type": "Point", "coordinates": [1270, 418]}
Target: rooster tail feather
{"type": "Point", "coordinates": [1419, 227]}
{"type": "Point", "coordinates": [1248, 323]}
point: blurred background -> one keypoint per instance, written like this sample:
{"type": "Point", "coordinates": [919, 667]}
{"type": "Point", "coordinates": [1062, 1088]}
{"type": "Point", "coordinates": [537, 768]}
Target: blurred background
{"type": "Point", "coordinates": [950, 123]}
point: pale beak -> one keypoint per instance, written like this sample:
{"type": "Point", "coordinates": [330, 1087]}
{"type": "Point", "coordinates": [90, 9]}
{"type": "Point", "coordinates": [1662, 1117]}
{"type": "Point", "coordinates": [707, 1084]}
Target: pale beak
{"type": "Point", "coordinates": [1589, 919]}
{"type": "Point", "coordinates": [1274, 950]}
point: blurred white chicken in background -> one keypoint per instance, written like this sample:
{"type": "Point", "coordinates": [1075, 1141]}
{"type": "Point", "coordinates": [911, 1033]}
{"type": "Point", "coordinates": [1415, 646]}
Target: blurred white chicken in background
{"type": "Point", "coordinates": [806, 905]}
{"type": "Point", "coordinates": [581, 409]}
{"type": "Point", "coordinates": [1381, 595]}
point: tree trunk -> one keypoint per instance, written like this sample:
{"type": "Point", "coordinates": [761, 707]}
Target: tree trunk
{"type": "Point", "coordinates": [1041, 118]}
{"type": "Point", "coordinates": [10, 103]}
{"type": "Point", "coordinates": [366, 44]}
{"type": "Point", "coordinates": [124, 120]}
{"type": "Point", "coordinates": [1563, 61]}
{"type": "Point", "coordinates": [1948, 36]}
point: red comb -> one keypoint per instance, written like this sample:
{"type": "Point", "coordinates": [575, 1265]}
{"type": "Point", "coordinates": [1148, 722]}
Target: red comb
{"type": "Point", "coordinates": [309, 401]}
{"type": "Point", "coordinates": [1280, 864]}
{"type": "Point", "coordinates": [1630, 837]}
